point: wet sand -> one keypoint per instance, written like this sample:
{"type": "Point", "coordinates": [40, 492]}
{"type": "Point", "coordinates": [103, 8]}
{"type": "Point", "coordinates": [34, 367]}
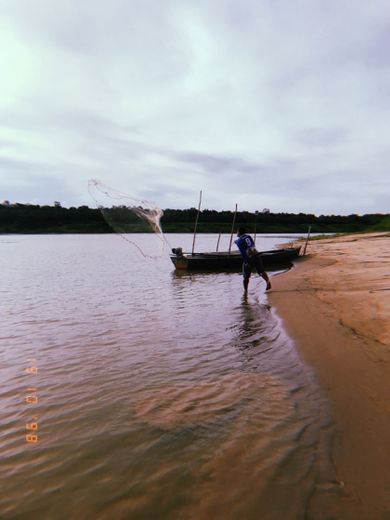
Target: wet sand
{"type": "Point", "coordinates": [336, 305]}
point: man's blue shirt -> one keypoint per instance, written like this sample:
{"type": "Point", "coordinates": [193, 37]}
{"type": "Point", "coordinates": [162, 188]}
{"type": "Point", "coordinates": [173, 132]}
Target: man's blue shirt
{"type": "Point", "coordinates": [244, 242]}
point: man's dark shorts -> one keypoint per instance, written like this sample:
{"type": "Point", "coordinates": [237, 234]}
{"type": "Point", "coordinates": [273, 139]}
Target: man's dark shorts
{"type": "Point", "coordinates": [254, 262]}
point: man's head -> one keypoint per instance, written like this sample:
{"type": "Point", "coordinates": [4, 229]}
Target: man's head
{"type": "Point", "coordinates": [241, 231]}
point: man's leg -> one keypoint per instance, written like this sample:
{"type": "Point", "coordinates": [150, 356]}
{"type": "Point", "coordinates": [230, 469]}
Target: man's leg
{"type": "Point", "coordinates": [264, 275]}
{"type": "Point", "coordinates": [246, 272]}
{"type": "Point", "coordinates": [260, 270]}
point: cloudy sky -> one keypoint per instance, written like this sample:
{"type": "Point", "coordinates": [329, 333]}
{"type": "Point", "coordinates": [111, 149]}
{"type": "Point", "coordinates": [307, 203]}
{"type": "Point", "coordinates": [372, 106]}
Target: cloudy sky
{"type": "Point", "coordinates": [283, 104]}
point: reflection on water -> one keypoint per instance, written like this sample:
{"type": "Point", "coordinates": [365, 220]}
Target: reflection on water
{"type": "Point", "coordinates": [157, 395]}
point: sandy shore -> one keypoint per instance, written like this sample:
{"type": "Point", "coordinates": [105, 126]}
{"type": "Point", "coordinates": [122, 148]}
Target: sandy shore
{"type": "Point", "coordinates": [336, 305]}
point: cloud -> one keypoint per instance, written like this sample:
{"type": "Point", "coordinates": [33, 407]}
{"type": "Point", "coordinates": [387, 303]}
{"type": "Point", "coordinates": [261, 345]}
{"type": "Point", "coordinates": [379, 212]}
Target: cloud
{"type": "Point", "coordinates": [322, 137]}
{"type": "Point", "coordinates": [35, 186]}
{"type": "Point", "coordinates": [250, 101]}
{"type": "Point", "coordinates": [218, 164]}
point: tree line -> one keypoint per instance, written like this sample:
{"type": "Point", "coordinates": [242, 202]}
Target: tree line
{"type": "Point", "coordinates": [27, 218]}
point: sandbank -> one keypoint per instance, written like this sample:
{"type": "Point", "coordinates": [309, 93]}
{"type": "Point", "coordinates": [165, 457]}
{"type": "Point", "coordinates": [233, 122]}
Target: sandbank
{"type": "Point", "coordinates": [335, 303]}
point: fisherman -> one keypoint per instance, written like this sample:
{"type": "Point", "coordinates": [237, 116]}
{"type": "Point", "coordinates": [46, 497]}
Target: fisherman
{"type": "Point", "coordinates": [251, 258]}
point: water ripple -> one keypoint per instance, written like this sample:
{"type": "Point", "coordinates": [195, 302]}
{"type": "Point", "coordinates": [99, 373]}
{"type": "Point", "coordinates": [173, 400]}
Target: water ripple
{"type": "Point", "coordinates": [158, 395]}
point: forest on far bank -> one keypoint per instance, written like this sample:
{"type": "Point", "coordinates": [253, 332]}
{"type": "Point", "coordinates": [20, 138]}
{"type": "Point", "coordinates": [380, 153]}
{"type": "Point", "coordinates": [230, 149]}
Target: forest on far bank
{"type": "Point", "coordinates": [27, 218]}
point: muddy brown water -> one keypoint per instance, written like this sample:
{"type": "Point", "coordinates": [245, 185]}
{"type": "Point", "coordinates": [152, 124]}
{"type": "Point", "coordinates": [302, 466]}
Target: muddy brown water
{"type": "Point", "coordinates": [131, 391]}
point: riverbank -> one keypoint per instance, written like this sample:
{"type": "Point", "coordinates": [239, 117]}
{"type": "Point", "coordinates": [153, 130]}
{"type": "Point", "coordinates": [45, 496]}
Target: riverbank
{"type": "Point", "coordinates": [336, 305]}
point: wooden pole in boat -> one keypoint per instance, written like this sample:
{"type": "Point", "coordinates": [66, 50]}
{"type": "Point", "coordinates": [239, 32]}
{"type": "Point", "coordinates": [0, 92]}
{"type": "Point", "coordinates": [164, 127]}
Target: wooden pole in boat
{"type": "Point", "coordinates": [219, 238]}
{"type": "Point", "coordinates": [196, 221]}
{"type": "Point", "coordinates": [254, 239]}
{"type": "Point", "coordinates": [231, 235]}
{"type": "Point", "coordinates": [307, 240]}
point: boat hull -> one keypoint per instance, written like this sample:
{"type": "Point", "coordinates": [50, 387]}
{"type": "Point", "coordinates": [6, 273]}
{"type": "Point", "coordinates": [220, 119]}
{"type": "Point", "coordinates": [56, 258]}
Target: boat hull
{"type": "Point", "coordinates": [233, 261]}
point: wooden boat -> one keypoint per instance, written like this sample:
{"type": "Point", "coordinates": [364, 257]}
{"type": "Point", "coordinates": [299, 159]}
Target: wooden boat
{"type": "Point", "coordinates": [225, 261]}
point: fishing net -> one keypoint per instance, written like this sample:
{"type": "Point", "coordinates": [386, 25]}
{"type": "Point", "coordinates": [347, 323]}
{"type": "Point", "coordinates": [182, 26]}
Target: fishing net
{"type": "Point", "coordinates": [128, 217]}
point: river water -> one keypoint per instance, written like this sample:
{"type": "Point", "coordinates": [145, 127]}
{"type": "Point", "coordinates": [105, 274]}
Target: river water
{"type": "Point", "coordinates": [131, 391]}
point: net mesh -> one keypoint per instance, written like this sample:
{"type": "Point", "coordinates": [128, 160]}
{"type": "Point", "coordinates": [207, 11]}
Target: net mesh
{"type": "Point", "coordinates": [127, 216]}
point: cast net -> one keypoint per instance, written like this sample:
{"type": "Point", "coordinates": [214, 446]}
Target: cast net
{"type": "Point", "coordinates": [128, 217]}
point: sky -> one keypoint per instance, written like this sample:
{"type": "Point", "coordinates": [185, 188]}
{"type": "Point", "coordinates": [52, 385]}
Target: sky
{"type": "Point", "coordinates": [278, 104]}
